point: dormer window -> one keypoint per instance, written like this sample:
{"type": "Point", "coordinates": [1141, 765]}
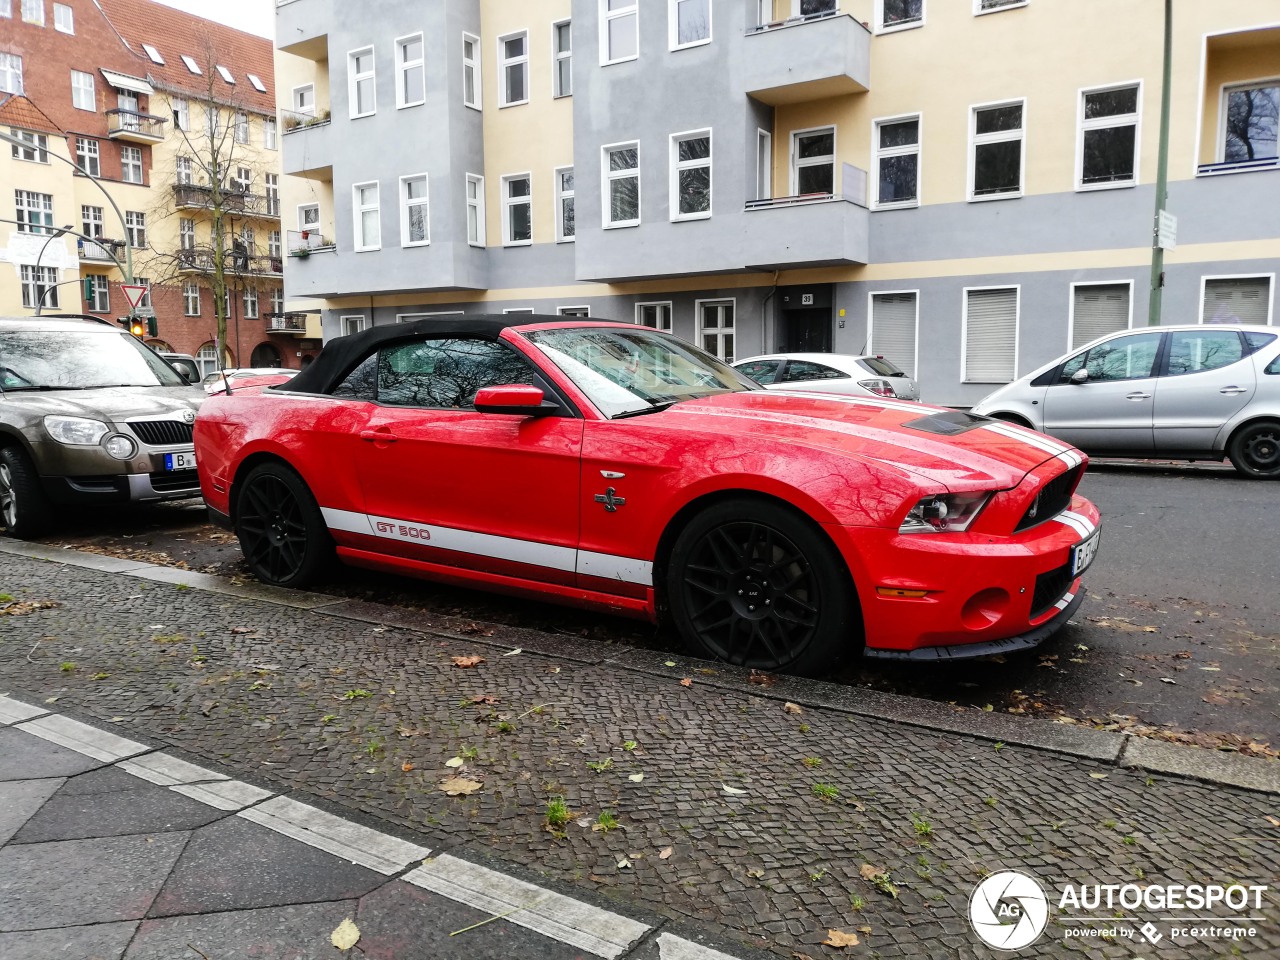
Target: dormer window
{"type": "Point", "coordinates": [257, 83]}
{"type": "Point", "coordinates": [191, 65]}
{"type": "Point", "coordinates": [225, 74]}
{"type": "Point", "coordinates": [153, 53]}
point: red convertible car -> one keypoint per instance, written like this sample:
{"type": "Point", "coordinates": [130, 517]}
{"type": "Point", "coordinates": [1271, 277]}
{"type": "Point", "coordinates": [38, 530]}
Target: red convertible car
{"type": "Point", "coordinates": [612, 466]}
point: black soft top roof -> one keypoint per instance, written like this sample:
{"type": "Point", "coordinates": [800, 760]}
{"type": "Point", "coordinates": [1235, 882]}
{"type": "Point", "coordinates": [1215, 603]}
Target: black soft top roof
{"type": "Point", "coordinates": [340, 355]}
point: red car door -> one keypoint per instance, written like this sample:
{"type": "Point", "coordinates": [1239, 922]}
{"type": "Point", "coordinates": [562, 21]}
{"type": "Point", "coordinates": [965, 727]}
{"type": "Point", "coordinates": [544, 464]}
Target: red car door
{"type": "Point", "coordinates": [445, 484]}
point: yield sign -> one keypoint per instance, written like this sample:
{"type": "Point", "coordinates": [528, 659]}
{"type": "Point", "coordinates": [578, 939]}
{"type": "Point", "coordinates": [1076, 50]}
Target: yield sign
{"type": "Point", "coordinates": [134, 292]}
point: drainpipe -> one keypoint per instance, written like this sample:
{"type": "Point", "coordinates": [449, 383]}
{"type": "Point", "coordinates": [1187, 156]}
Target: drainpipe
{"type": "Point", "coordinates": [764, 316]}
{"type": "Point", "coordinates": [1162, 175]}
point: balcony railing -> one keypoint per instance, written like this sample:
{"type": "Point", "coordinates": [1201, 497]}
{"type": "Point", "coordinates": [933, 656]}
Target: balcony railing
{"type": "Point", "coordinates": [1238, 166]}
{"type": "Point", "coordinates": [834, 11]}
{"type": "Point", "coordinates": [302, 243]}
{"type": "Point", "coordinates": [200, 197]}
{"type": "Point", "coordinates": [286, 322]}
{"type": "Point", "coordinates": [202, 260]}
{"type": "Point", "coordinates": [99, 251]}
{"type": "Point", "coordinates": [131, 125]}
{"type": "Point", "coordinates": [294, 120]}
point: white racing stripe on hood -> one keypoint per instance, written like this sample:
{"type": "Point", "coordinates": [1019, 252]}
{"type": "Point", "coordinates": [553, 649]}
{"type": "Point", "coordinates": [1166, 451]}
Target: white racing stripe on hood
{"type": "Point", "coordinates": [1047, 444]}
{"type": "Point", "coordinates": [1079, 524]}
{"type": "Point", "coordinates": [910, 406]}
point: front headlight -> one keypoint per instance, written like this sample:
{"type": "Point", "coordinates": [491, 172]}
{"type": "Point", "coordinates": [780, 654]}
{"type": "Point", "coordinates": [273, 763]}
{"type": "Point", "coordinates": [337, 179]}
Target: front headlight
{"type": "Point", "coordinates": [121, 447]}
{"type": "Point", "coordinates": [75, 430]}
{"type": "Point", "coordinates": [944, 513]}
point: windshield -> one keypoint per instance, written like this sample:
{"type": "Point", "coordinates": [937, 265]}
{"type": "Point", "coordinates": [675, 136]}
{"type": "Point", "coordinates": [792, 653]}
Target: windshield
{"type": "Point", "coordinates": [626, 371]}
{"type": "Point", "coordinates": [79, 360]}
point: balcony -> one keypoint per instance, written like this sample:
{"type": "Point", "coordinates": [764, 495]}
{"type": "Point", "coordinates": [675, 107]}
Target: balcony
{"type": "Point", "coordinates": [308, 145]}
{"type": "Point", "coordinates": [191, 196]}
{"type": "Point", "coordinates": [789, 233]}
{"type": "Point", "coordinates": [807, 58]}
{"type": "Point", "coordinates": [302, 243]}
{"type": "Point", "coordinates": [99, 252]}
{"type": "Point", "coordinates": [301, 28]}
{"type": "Point", "coordinates": [134, 127]}
{"type": "Point", "coordinates": [295, 323]}
{"type": "Point", "coordinates": [202, 260]}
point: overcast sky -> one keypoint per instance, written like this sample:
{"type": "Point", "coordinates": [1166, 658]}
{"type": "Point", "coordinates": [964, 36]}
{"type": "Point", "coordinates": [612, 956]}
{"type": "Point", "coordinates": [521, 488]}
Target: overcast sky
{"type": "Point", "coordinates": [251, 16]}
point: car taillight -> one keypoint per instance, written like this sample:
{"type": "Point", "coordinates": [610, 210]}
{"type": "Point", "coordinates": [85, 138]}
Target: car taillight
{"type": "Point", "coordinates": [881, 388]}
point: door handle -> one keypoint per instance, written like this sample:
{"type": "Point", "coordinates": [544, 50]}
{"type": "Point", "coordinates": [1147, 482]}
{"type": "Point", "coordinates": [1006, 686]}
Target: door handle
{"type": "Point", "coordinates": [1233, 390]}
{"type": "Point", "coordinates": [382, 435]}
{"type": "Point", "coordinates": [1137, 395]}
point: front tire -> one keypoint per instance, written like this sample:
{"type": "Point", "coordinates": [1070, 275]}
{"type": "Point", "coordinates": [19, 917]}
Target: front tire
{"type": "Point", "coordinates": [24, 509]}
{"type": "Point", "coordinates": [756, 585]}
{"type": "Point", "coordinates": [1255, 450]}
{"type": "Point", "coordinates": [282, 533]}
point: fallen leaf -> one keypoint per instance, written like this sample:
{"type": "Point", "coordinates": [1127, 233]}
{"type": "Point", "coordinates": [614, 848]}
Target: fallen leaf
{"type": "Point", "coordinates": [732, 791]}
{"type": "Point", "coordinates": [763, 679]}
{"type": "Point", "coordinates": [1098, 776]}
{"type": "Point", "coordinates": [583, 822]}
{"type": "Point", "coordinates": [468, 662]}
{"type": "Point", "coordinates": [755, 874]}
{"type": "Point", "coordinates": [1273, 821]}
{"type": "Point", "coordinates": [412, 731]}
{"type": "Point", "coordinates": [624, 864]}
{"type": "Point", "coordinates": [636, 777]}
{"type": "Point", "coordinates": [241, 629]}
{"type": "Point", "coordinates": [792, 708]}
{"type": "Point", "coordinates": [866, 930]}
{"type": "Point", "coordinates": [512, 653]}
{"type": "Point", "coordinates": [406, 766]}
{"type": "Point", "coordinates": [454, 762]}
{"type": "Point", "coordinates": [460, 786]}
{"type": "Point", "coordinates": [1168, 680]}
{"type": "Point", "coordinates": [345, 937]}
{"type": "Point", "coordinates": [686, 682]}
{"type": "Point", "coordinates": [485, 698]}
{"type": "Point", "coordinates": [988, 708]}
{"type": "Point", "coordinates": [666, 852]}
{"type": "Point", "coordinates": [867, 871]}
{"type": "Point", "coordinates": [838, 938]}
{"type": "Point", "coordinates": [669, 663]}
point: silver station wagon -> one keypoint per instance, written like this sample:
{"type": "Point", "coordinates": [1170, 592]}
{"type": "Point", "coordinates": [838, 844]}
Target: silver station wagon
{"type": "Point", "coordinates": [1200, 392]}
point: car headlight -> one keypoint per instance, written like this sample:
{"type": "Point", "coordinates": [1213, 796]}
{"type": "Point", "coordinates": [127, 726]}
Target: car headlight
{"type": "Point", "coordinates": [121, 447]}
{"type": "Point", "coordinates": [944, 513]}
{"type": "Point", "coordinates": [75, 430]}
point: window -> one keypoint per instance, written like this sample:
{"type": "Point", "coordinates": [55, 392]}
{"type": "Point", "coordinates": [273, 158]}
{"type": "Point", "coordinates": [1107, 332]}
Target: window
{"type": "Point", "coordinates": [269, 140]}
{"type": "Point", "coordinates": [251, 303]}
{"type": "Point", "coordinates": [987, 6]}
{"type": "Point", "coordinates": [127, 101]}
{"type": "Point", "coordinates": [304, 100]}
{"type": "Point", "coordinates": [242, 127]}
{"type": "Point", "coordinates": [99, 294]}
{"type": "Point", "coordinates": [761, 371]}
{"type": "Point", "coordinates": [153, 54]}
{"type": "Point", "coordinates": [622, 185]}
{"type": "Point", "coordinates": [225, 74]}
{"type": "Point", "coordinates": [1108, 138]}
{"type": "Point", "coordinates": [573, 311]}
{"type": "Point", "coordinates": [83, 96]}
{"type": "Point", "coordinates": [63, 18]}
{"type": "Point", "coordinates": [990, 335]}
{"type": "Point", "coordinates": [257, 82]}
{"type": "Point", "coordinates": [6, 8]}
{"type": "Point", "coordinates": [691, 175]}
{"type": "Point", "coordinates": [715, 323]}
{"type": "Point", "coordinates": [181, 113]}
{"type": "Point", "coordinates": [803, 371]}
{"type": "Point", "coordinates": [764, 164]}
{"type": "Point", "coordinates": [619, 31]}
{"type": "Point", "coordinates": [894, 319]}
{"type": "Point", "coordinates": [562, 59]}
{"type": "Point", "coordinates": [309, 216]}
{"type": "Point", "coordinates": [135, 228]}
{"type": "Point", "coordinates": [368, 216]}
{"type": "Point", "coordinates": [39, 287]}
{"type": "Point", "coordinates": [186, 233]}
{"type": "Point", "coordinates": [191, 300]}
{"type": "Point", "coordinates": [272, 196]}
{"type": "Point", "coordinates": [11, 73]}
{"type": "Point", "coordinates": [242, 180]}
{"type": "Point", "coordinates": [813, 161]}
{"type": "Point", "coordinates": [475, 210]}
{"type": "Point", "coordinates": [513, 69]}
{"type": "Point", "coordinates": [656, 315]}
{"type": "Point", "coordinates": [899, 14]}
{"type": "Point", "coordinates": [1237, 300]}
{"type": "Point", "coordinates": [191, 65]}
{"type": "Point", "coordinates": [518, 310]}
{"type": "Point", "coordinates": [517, 210]}
{"type": "Point", "coordinates": [1098, 309]}
{"type": "Point", "coordinates": [361, 83]}
{"type": "Point", "coordinates": [273, 246]}
{"type": "Point", "coordinates": [471, 71]}
{"type": "Point", "coordinates": [1124, 358]}
{"type": "Point", "coordinates": [38, 152]}
{"type": "Point", "coordinates": [34, 211]}
{"type": "Point", "coordinates": [897, 162]}
{"type": "Point", "coordinates": [445, 372]}
{"type": "Point", "coordinates": [1197, 351]}
{"type": "Point", "coordinates": [415, 228]}
{"type": "Point", "coordinates": [87, 158]}
{"type": "Point", "coordinates": [352, 325]}
{"type": "Point", "coordinates": [689, 23]}
{"type": "Point", "coordinates": [182, 170]}
{"type": "Point", "coordinates": [91, 221]}
{"type": "Point", "coordinates": [996, 133]}
{"type": "Point", "coordinates": [33, 11]}
{"type": "Point", "coordinates": [565, 228]}
{"type": "Point", "coordinates": [277, 300]}
{"type": "Point", "coordinates": [411, 73]}
{"type": "Point", "coordinates": [1251, 122]}
{"type": "Point", "coordinates": [213, 122]}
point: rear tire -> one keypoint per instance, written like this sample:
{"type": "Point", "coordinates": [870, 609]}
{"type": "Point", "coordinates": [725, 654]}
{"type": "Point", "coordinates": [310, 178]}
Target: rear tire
{"type": "Point", "coordinates": [1255, 450]}
{"type": "Point", "coordinates": [24, 509]}
{"type": "Point", "coordinates": [282, 533]}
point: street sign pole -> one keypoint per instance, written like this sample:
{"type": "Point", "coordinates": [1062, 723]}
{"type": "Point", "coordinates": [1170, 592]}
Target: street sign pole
{"type": "Point", "coordinates": [1165, 224]}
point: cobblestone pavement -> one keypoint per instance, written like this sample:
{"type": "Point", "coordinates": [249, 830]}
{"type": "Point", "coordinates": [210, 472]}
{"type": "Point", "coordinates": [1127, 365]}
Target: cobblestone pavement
{"type": "Point", "coordinates": [781, 822]}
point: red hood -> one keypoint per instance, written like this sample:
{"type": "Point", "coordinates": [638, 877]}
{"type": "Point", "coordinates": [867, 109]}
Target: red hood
{"type": "Point", "coordinates": [972, 457]}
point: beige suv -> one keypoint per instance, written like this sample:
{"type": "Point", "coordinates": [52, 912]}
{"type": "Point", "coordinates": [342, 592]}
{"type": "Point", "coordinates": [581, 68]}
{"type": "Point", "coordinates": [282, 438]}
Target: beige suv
{"type": "Point", "coordinates": [88, 415]}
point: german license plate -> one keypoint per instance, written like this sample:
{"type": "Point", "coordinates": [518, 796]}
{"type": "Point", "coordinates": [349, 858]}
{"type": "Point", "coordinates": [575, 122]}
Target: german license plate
{"type": "Point", "coordinates": [1082, 553]}
{"type": "Point", "coordinates": [180, 461]}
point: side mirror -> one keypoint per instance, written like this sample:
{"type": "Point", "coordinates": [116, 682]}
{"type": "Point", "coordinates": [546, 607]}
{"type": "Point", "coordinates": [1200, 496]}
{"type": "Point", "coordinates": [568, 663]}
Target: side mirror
{"type": "Point", "coordinates": [1080, 376]}
{"type": "Point", "coordinates": [518, 399]}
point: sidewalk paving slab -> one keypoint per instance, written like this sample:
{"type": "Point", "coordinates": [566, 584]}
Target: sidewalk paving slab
{"type": "Point", "coordinates": [100, 941]}
{"type": "Point", "coordinates": [24, 757]}
{"type": "Point", "coordinates": [145, 809]}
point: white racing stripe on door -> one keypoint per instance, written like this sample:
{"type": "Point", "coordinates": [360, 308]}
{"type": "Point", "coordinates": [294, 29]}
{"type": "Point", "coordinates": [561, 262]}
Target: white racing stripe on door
{"type": "Point", "coordinates": [605, 565]}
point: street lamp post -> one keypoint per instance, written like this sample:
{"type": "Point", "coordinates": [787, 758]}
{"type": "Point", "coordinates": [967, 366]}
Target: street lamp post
{"type": "Point", "coordinates": [57, 233]}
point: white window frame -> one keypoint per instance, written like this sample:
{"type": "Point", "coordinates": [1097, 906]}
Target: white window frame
{"type": "Point", "coordinates": [101, 302]}
{"type": "Point", "coordinates": [357, 217]}
{"type": "Point", "coordinates": [87, 87]}
{"type": "Point", "coordinates": [403, 67]}
{"type": "Point", "coordinates": [964, 328]}
{"type": "Point", "coordinates": [180, 107]}
{"type": "Point", "coordinates": [764, 171]}
{"type": "Point", "coordinates": [607, 177]}
{"type": "Point", "coordinates": [406, 204]}
{"type": "Point", "coordinates": [421, 315]}
{"type": "Point", "coordinates": [1103, 123]}
{"type": "Point", "coordinates": [191, 65]}
{"type": "Point", "coordinates": [898, 27]}
{"type": "Point", "coordinates": [677, 165]}
{"type": "Point", "coordinates": [182, 171]}
{"type": "Point", "coordinates": [508, 202]}
{"type": "Point", "coordinates": [274, 245]}
{"type": "Point", "coordinates": [796, 164]}
{"type": "Point", "coordinates": [39, 286]}
{"type": "Point", "coordinates": [504, 62]}
{"type": "Point", "coordinates": [877, 153]}
{"type": "Point", "coordinates": [33, 213]}
{"type": "Point", "coordinates": [61, 13]}
{"type": "Point", "coordinates": [303, 223]}
{"type": "Point", "coordinates": [153, 54]}
{"type": "Point", "coordinates": [1271, 290]}
{"type": "Point", "coordinates": [186, 233]}
{"type": "Point", "coordinates": [1071, 304]}
{"type": "Point", "coordinates": [190, 303]}
{"type": "Point", "coordinates": [673, 25]}
{"type": "Point", "coordinates": [270, 134]}
{"type": "Point", "coordinates": [225, 74]}
{"type": "Point", "coordinates": [472, 65]}
{"type": "Point", "coordinates": [271, 194]}
{"type": "Point", "coordinates": [519, 310]}
{"type": "Point", "coordinates": [277, 300]}
{"type": "Point", "coordinates": [32, 11]}
{"type": "Point", "coordinates": [250, 301]}
{"type": "Point", "coordinates": [571, 310]}
{"type": "Point", "coordinates": [1000, 137]}
{"type": "Point", "coordinates": [606, 17]}
{"type": "Point", "coordinates": [256, 80]}
{"type": "Point", "coordinates": [1008, 5]}
{"type": "Point", "coordinates": [11, 70]}
{"type": "Point", "coordinates": [37, 146]}
{"type": "Point", "coordinates": [557, 55]}
{"type": "Point", "coordinates": [1224, 92]}
{"type": "Point", "coordinates": [871, 295]}
{"type": "Point", "coordinates": [135, 228]}
{"type": "Point", "coordinates": [562, 195]}
{"type": "Point", "coordinates": [478, 205]}
{"type": "Point", "coordinates": [353, 323]}
{"type": "Point", "coordinates": [355, 79]}
{"type": "Point", "coordinates": [240, 133]}
{"type": "Point", "coordinates": [135, 164]}
{"type": "Point", "coordinates": [700, 330]}
{"type": "Point", "coordinates": [670, 327]}
{"type": "Point", "coordinates": [306, 110]}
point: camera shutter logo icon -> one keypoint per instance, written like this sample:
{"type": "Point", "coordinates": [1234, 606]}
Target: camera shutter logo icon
{"type": "Point", "coordinates": [1008, 910]}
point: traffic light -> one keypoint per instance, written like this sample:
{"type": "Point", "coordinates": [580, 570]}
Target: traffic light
{"type": "Point", "coordinates": [137, 328]}
{"type": "Point", "coordinates": [88, 289]}
{"type": "Point", "coordinates": [151, 327]}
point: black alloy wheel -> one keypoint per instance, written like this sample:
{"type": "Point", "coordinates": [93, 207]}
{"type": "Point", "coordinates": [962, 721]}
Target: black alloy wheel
{"type": "Point", "coordinates": [1255, 450]}
{"type": "Point", "coordinates": [753, 584]}
{"type": "Point", "coordinates": [282, 532]}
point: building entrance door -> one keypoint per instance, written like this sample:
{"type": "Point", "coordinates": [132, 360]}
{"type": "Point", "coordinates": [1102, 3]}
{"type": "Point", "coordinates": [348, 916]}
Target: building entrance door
{"type": "Point", "coordinates": [806, 330]}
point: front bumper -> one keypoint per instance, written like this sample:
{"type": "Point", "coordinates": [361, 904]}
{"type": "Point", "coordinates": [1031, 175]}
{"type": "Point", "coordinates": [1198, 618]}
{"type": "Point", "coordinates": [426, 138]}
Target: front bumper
{"type": "Point", "coordinates": [73, 474]}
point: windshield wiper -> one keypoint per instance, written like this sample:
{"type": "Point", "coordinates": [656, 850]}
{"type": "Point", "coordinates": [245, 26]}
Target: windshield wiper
{"type": "Point", "coordinates": [654, 407]}
{"type": "Point", "coordinates": [42, 386]}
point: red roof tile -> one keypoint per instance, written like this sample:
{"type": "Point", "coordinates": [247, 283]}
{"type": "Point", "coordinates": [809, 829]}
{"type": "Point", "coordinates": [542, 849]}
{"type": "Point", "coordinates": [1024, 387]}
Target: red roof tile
{"type": "Point", "coordinates": [18, 111]}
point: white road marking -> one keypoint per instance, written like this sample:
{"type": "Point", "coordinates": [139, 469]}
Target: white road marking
{"type": "Point", "coordinates": [15, 711]}
{"type": "Point", "coordinates": [82, 738]}
{"type": "Point", "coordinates": [671, 947]}
{"type": "Point", "coordinates": [554, 915]}
{"type": "Point", "coordinates": [165, 770]}
{"type": "Point", "coordinates": [370, 848]}
{"type": "Point", "coordinates": [222, 794]}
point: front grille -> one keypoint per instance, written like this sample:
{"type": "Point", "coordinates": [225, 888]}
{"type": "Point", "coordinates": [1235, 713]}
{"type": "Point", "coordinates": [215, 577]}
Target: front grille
{"type": "Point", "coordinates": [167, 481]}
{"type": "Point", "coordinates": [1050, 588]}
{"type": "Point", "coordinates": [1052, 499]}
{"type": "Point", "coordinates": [161, 432]}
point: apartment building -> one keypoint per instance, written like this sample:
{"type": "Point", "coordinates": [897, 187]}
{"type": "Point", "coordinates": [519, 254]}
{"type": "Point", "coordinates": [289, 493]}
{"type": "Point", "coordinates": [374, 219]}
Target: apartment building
{"type": "Point", "coordinates": [124, 110]}
{"type": "Point", "coordinates": [964, 186]}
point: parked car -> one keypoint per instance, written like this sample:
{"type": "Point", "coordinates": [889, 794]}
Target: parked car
{"type": "Point", "coordinates": [1195, 392]}
{"type": "Point", "coordinates": [612, 466]}
{"type": "Point", "coordinates": [88, 415]}
{"type": "Point", "coordinates": [185, 364]}
{"type": "Point", "coordinates": [218, 381]}
{"type": "Point", "coordinates": [830, 373]}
